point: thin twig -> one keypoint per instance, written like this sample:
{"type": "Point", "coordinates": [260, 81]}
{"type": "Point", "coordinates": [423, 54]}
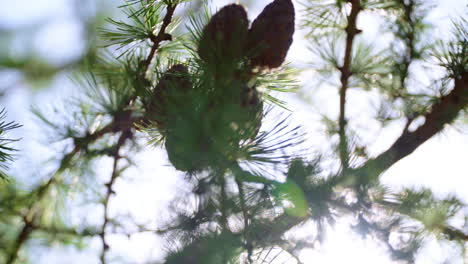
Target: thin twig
{"type": "Point", "coordinates": [277, 254]}
{"type": "Point", "coordinates": [109, 192]}
{"type": "Point", "coordinates": [351, 32]}
{"type": "Point", "coordinates": [20, 239]}
{"type": "Point", "coordinates": [91, 231]}
{"type": "Point", "coordinates": [161, 36]}
{"type": "Point", "coordinates": [34, 212]}
{"type": "Point", "coordinates": [156, 39]}
{"type": "Point", "coordinates": [30, 216]}
{"type": "Point", "coordinates": [116, 126]}
{"type": "Point", "coordinates": [410, 40]}
{"type": "Point", "coordinates": [268, 253]}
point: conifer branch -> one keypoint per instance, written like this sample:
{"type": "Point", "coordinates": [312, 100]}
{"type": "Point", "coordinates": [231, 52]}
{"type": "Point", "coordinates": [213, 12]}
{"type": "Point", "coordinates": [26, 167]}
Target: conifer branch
{"type": "Point", "coordinates": [109, 192]}
{"type": "Point", "coordinates": [450, 232]}
{"type": "Point", "coordinates": [90, 231]}
{"type": "Point", "coordinates": [162, 35]}
{"type": "Point", "coordinates": [454, 234]}
{"type": "Point", "coordinates": [119, 124]}
{"type": "Point", "coordinates": [409, 40]}
{"type": "Point", "coordinates": [22, 237]}
{"type": "Point", "coordinates": [345, 69]}
{"type": "Point", "coordinates": [442, 113]}
{"type": "Point", "coordinates": [31, 215]}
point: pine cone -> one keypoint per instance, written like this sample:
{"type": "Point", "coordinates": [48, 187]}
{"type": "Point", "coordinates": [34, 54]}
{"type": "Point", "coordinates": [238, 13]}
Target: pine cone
{"type": "Point", "coordinates": [271, 34]}
{"type": "Point", "coordinates": [170, 95]}
{"type": "Point", "coordinates": [197, 139]}
{"type": "Point", "coordinates": [187, 150]}
{"type": "Point", "coordinates": [224, 37]}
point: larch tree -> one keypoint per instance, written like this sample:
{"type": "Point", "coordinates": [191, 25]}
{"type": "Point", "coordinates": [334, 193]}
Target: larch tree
{"type": "Point", "coordinates": [205, 87]}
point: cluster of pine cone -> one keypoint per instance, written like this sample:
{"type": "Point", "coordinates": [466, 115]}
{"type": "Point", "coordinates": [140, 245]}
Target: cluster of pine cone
{"type": "Point", "coordinates": [227, 36]}
{"type": "Point", "coordinates": [204, 119]}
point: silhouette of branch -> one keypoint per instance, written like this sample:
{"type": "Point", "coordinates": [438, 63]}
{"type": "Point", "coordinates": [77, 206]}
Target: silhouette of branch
{"type": "Point", "coordinates": [442, 113]}
{"type": "Point", "coordinates": [409, 39]}
{"type": "Point", "coordinates": [454, 234]}
{"type": "Point", "coordinates": [115, 174]}
{"type": "Point", "coordinates": [32, 213]}
{"type": "Point", "coordinates": [156, 39]}
{"type": "Point", "coordinates": [351, 32]}
{"type": "Point", "coordinates": [90, 231]}
{"type": "Point", "coordinates": [162, 35]}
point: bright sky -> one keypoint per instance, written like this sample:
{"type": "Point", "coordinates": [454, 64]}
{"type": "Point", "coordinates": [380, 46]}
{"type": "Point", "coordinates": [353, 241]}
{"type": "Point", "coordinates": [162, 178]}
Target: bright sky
{"type": "Point", "coordinates": [439, 164]}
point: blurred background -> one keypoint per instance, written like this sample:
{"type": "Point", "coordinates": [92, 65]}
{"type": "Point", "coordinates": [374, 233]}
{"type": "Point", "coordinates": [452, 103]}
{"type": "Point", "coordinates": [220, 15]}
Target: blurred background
{"type": "Point", "coordinates": [43, 42]}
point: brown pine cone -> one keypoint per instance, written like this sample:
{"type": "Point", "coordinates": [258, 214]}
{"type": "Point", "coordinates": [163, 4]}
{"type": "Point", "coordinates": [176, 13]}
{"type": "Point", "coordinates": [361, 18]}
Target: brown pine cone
{"type": "Point", "coordinates": [271, 34]}
{"type": "Point", "coordinates": [170, 95]}
{"type": "Point", "coordinates": [224, 37]}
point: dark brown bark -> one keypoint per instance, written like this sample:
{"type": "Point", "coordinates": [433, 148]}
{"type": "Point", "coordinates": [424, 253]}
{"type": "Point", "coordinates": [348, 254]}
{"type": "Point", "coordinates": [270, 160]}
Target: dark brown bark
{"type": "Point", "coordinates": [351, 32]}
{"type": "Point", "coordinates": [442, 113]}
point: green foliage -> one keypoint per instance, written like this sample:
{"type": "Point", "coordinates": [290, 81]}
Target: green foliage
{"type": "Point", "coordinates": [324, 17]}
{"type": "Point", "coordinates": [421, 205]}
{"type": "Point", "coordinates": [202, 98]}
{"type": "Point", "coordinates": [452, 55]}
{"type": "Point", "coordinates": [212, 249]}
{"type": "Point", "coordinates": [6, 152]}
{"type": "Point", "coordinates": [141, 27]}
{"type": "Point", "coordinates": [290, 195]}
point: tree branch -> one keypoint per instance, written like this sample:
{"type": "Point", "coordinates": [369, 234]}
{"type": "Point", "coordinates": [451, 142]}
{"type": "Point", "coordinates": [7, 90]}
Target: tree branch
{"type": "Point", "coordinates": [454, 234]}
{"type": "Point", "coordinates": [409, 38]}
{"type": "Point", "coordinates": [31, 215]}
{"type": "Point", "coordinates": [33, 212]}
{"type": "Point", "coordinates": [156, 39]}
{"type": "Point", "coordinates": [116, 126]}
{"type": "Point", "coordinates": [90, 231]}
{"type": "Point", "coordinates": [443, 112]}
{"type": "Point", "coordinates": [450, 233]}
{"type": "Point", "coordinates": [115, 174]}
{"type": "Point", "coordinates": [162, 35]}
{"type": "Point", "coordinates": [20, 240]}
{"type": "Point", "coordinates": [351, 32]}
